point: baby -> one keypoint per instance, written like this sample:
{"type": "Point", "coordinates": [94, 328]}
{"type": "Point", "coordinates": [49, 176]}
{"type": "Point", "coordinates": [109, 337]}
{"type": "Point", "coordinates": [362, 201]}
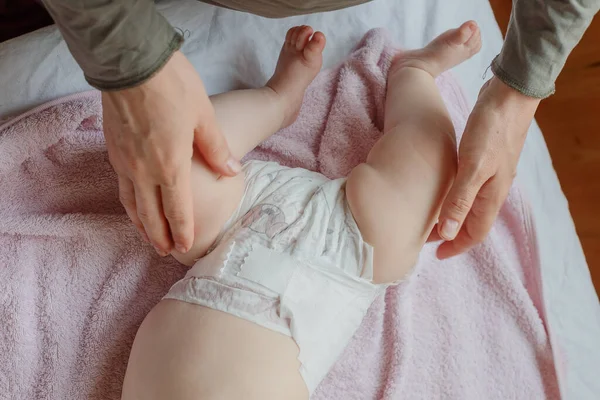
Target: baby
{"type": "Point", "coordinates": [286, 262]}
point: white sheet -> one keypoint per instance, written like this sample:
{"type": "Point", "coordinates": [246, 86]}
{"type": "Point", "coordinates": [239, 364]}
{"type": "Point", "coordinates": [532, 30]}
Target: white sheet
{"type": "Point", "coordinates": [232, 50]}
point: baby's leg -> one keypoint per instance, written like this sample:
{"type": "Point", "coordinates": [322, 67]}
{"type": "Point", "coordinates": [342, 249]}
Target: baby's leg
{"type": "Point", "coordinates": [186, 351]}
{"type": "Point", "coordinates": [397, 194]}
{"type": "Point", "coordinates": [246, 118]}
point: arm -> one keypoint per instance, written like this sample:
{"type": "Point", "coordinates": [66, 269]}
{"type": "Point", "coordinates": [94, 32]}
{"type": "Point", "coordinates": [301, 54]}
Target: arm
{"type": "Point", "coordinates": [155, 113]}
{"type": "Point", "coordinates": [540, 37]}
{"type": "Point", "coordinates": [117, 44]}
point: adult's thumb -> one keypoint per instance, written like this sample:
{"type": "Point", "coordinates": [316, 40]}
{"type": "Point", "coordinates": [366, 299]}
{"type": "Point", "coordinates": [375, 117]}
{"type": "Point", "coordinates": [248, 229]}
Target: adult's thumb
{"type": "Point", "coordinates": [457, 204]}
{"type": "Point", "coordinates": [211, 143]}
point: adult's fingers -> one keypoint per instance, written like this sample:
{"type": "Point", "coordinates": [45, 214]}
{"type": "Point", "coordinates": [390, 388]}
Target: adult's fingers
{"type": "Point", "coordinates": [480, 219]}
{"type": "Point", "coordinates": [127, 197]}
{"type": "Point", "coordinates": [178, 209]}
{"type": "Point", "coordinates": [461, 243]}
{"type": "Point", "coordinates": [149, 210]}
{"type": "Point", "coordinates": [211, 143]}
{"type": "Point", "coordinates": [434, 236]}
{"type": "Point", "coordinates": [458, 202]}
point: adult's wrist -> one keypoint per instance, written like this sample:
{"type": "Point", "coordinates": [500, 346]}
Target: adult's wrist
{"type": "Point", "coordinates": [503, 95]}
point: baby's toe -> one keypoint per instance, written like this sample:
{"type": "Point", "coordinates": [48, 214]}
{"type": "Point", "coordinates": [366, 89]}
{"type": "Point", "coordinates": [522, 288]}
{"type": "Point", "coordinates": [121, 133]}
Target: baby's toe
{"type": "Point", "coordinates": [474, 41]}
{"type": "Point", "coordinates": [288, 35]}
{"type": "Point", "coordinates": [314, 48]}
{"type": "Point", "coordinates": [303, 36]}
{"type": "Point", "coordinates": [467, 32]}
{"type": "Point", "coordinates": [294, 38]}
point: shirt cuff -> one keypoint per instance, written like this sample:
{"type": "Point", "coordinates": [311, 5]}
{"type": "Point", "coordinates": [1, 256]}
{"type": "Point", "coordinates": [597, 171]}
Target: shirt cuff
{"type": "Point", "coordinates": [532, 87]}
{"type": "Point", "coordinates": [156, 58]}
{"type": "Point", "coordinates": [540, 36]}
{"type": "Point", "coordinates": [117, 44]}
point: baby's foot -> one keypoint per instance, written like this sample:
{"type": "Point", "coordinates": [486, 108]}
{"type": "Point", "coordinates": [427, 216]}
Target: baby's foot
{"type": "Point", "coordinates": [444, 52]}
{"type": "Point", "coordinates": [299, 62]}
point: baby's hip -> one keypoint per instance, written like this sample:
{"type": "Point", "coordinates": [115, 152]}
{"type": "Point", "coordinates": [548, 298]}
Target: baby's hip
{"type": "Point", "coordinates": [319, 305]}
{"type": "Point", "coordinates": [292, 260]}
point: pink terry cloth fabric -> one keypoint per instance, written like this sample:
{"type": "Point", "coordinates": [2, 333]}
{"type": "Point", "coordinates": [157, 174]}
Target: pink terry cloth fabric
{"type": "Point", "coordinates": [76, 281]}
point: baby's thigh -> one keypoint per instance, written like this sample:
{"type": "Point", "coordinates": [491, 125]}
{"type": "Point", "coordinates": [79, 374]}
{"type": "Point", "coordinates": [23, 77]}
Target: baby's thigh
{"type": "Point", "coordinates": [186, 351]}
{"type": "Point", "coordinates": [396, 199]}
{"type": "Point", "coordinates": [214, 199]}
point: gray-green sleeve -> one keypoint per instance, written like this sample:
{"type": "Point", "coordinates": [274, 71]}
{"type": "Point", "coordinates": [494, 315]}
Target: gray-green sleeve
{"type": "Point", "coordinates": [541, 35]}
{"type": "Point", "coordinates": [117, 43]}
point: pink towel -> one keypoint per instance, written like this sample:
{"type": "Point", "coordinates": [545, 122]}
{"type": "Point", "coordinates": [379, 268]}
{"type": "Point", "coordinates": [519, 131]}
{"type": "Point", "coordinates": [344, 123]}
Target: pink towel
{"type": "Point", "coordinates": [76, 282]}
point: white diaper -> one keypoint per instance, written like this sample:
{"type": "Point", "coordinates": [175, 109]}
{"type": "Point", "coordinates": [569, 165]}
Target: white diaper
{"type": "Point", "coordinates": [290, 259]}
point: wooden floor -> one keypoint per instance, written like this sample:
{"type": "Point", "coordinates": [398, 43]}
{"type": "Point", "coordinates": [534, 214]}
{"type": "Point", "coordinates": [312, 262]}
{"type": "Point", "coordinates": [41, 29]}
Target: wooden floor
{"type": "Point", "coordinates": [570, 121]}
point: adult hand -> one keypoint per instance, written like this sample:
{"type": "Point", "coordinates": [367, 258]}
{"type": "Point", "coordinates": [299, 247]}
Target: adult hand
{"type": "Point", "coordinates": [487, 164]}
{"type": "Point", "coordinates": [150, 132]}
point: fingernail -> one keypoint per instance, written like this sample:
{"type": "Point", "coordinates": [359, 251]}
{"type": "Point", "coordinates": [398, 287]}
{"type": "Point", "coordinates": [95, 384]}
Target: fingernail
{"type": "Point", "coordinates": [449, 229]}
{"type": "Point", "coordinates": [234, 166]}
{"type": "Point", "coordinates": [181, 248]}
